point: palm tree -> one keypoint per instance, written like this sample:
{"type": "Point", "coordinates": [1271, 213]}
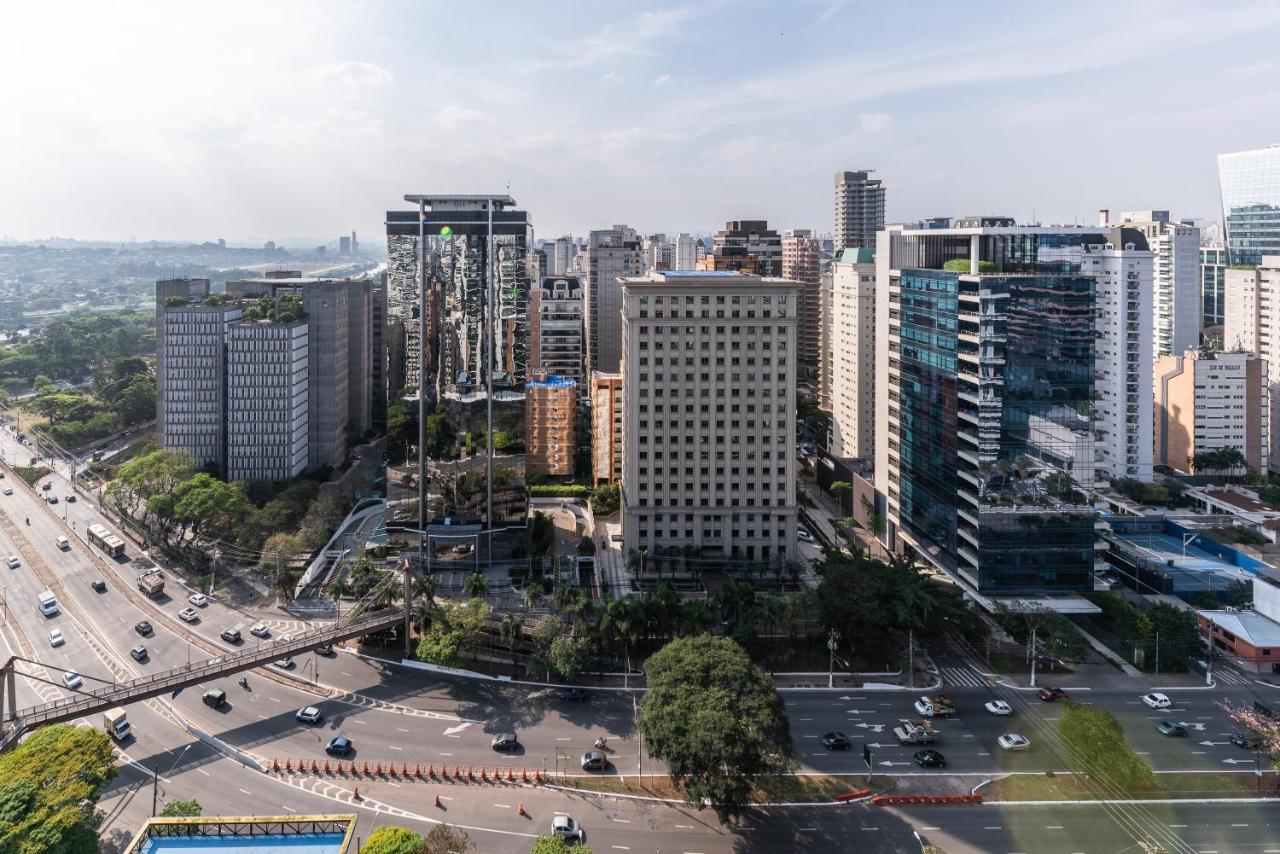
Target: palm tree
{"type": "Point", "coordinates": [532, 595]}
{"type": "Point", "coordinates": [474, 586]}
{"type": "Point", "coordinates": [509, 629]}
{"type": "Point", "coordinates": [695, 617]}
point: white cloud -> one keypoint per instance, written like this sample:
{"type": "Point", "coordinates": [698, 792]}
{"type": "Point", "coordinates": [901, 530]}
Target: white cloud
{"type": "Point", "coordinates": [453, 117]}
{"type": "Point", "coordinates": [354, 73]}
{"type": "Point", "coordinates": [1251, 69]}
{"type": "Point", "coordinates": [829, 12]}
{"type": "Point", "coordinates": [661, 79]}
{"type": "Point", "coordinates": [874, 122]}
{"type": "Point", "coordinates": [627, 38]}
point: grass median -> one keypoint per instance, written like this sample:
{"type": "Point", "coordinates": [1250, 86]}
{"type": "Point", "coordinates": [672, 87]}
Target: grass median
{"type": "Point", "coordinates": [1078, 787]}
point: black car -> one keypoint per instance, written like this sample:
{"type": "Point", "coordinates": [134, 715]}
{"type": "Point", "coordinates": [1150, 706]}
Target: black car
{"type": "Point", "coordinates": [1171, 729]}
{"type": "Point", "coordinates": [574, 695]}
{"type": "Point", "coordinates": [99, 586]}
{"type": "Point", "coordinates": [930, 759]}
{"type": "Point", "coordinates": [340, 746]}
{"type": "Point", "coordinates": [1247, 740]}
{"type": "Point", "coordinates": [139, 653]}
{"type": "Point", "coordinates": [835, 741]}
{"type": "Point", "coordinates": [143, 628]}
{"type": "Point", "coordinates": [506, 742]}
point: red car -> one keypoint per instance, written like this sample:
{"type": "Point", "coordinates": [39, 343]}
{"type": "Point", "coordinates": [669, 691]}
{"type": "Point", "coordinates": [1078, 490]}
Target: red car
{"type": "Point", "coordinates": [1049, 695]}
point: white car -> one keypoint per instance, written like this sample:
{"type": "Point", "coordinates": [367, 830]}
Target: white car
{"type": "Point", "coordinates": [188, 615]}
{"type": "Point", "coordinates": [198, 599]}
{"type": "Point", "coordinates": [8, 490]}
{"type": "Point", "coordinates": [55, 638]}
{"type": "Point", "coordinates": [260, 631]}
{"type": "Point", "coordinates": [284, 663]}
{"type": "Point", "coordinates": [309, 715]}
{"type": "Point", "coordinates": [804, 536]}
{"type": "Point", "coordinates": [1000, 708]}
{"type": "Point", "coordinates": [1013, 741]}
{"type": "Point", "coordinates": [565, 827]}
{"type": "Point", "coordinates": [14, 563]}
{"type": "Point", "coordinates": [72, 680]}
{"type": "Point", "coordinates": [1157, 701]}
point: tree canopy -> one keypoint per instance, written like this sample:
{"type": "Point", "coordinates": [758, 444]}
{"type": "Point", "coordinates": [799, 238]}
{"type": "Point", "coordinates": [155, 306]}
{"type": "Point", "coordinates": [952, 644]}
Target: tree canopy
{"type": "Point", "coordinates": [456, 626]}
{"type": "Point", "coordinates": [47, 780]}
{"type": "Point", "coordinates": [182, 809]}
{"type": "Point", "coordinates": [556, 845]}
{"type": "Point", "coordinates": [715, 719]}
{"type": "Point", "coordinates": [391, 839]}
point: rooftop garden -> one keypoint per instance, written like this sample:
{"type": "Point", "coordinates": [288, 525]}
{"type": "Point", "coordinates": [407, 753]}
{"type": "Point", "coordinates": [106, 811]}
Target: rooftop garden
{"type": "Point", "coordinates": [961, 265]}
{"type": "Point", "coordinates": [1027, 483]}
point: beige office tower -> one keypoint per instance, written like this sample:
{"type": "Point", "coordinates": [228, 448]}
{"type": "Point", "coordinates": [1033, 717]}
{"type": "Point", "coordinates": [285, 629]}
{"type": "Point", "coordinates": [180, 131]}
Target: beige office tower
{"type": "Point", "coordinates": [852, 334]}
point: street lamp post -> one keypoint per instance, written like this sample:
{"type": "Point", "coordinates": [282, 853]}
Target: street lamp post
{"type": "Point", "coordinates": [833, 640]}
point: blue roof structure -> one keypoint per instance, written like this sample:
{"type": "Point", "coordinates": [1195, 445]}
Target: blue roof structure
{"type": "Point", "coordinates": [318, 843]}
{"type": "Point", "coordinates": [319, 834]}
{"type": "Point", "coordinates": [554, 381]}
{"type": "Point", "coordinates": [680, 274]}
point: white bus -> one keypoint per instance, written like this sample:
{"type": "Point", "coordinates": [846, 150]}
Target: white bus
{"type": "Point", "coordinates": [105, 540]}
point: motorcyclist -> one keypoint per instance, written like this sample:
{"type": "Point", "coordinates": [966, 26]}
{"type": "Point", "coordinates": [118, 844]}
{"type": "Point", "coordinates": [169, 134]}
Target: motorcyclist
{"type": "Point", "coordinates": [244, 682]}
{"type": "Point", "coordinates": [600, 743]}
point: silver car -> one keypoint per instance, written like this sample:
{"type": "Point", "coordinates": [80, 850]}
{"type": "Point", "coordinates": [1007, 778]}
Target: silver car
{"type": "Point", "coordinates": [565, 827]}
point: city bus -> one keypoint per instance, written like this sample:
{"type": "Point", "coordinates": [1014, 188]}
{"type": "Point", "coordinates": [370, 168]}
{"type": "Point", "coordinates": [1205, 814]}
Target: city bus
{"type": "Point", "coordinates": [105, 540]}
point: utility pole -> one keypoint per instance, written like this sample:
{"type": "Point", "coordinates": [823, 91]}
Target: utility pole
{"type": "Point", "coordinates": [422, 375]}
{"type": "Point", "coordinates": [1033, 656]}
{"type": "Point", "coordinates": [155, 789]}
{"type": "Point", "coordinates": [1157, 653]}
{"type": "Point", "coordinates": [408, 608]}
{"type": "Point", "coordinates": [833, 640]}
{"type": "Point", "coordinates": [911, 658]}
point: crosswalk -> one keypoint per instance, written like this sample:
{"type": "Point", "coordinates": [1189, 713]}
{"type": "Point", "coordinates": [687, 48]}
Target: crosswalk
{"type": "Point", "coordinates": [1227, 676]}
{"type": "Point", "coordinates": [963, 677]}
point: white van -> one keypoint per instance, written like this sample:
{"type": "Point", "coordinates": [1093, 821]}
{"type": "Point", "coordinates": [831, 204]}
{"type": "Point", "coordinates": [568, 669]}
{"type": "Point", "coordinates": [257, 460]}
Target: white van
{"type": "Point", "coordinates": [63, 543]}
{"type": "Point", "coordinates": [48, 603]}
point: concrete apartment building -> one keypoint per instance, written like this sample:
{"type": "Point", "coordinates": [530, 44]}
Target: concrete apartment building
{"type": "Point", "coordinates": [657, 253]}
{"type": "Point", "coordinates": [611, 254]}
{"type": "Point", "coordinates": [684, 252]}
{"type": "Point", "coordinates": [1179, 302]}
{"type": "Point", "coordinates": [755, 238]}
{"type": "Point", "coordinates": [802, 262]}
{"type": "Point", "coordinates": [709, 389]}
{"type": "Point", "coordinates": [180, 290]}
{"type": "Point", "coordinates": [562, 256]}
{"type": "Point", "coordinates": [859, 212]}
{"type": "Point", "coordinates": [550, 409]}
{"type": "Point", "coordinates": [1251, 323]}
{"type": "Point", "coordinates": [826, 354]}
{"type": "Point", "coordinates": [345, 345]}
{"type": "Point", "coordinates": [268, 400]}
{"type": "Point", "coordinates": [191, 412]}
{"type": "Point", "coordinates": [852, 333]}
{"type": "Point", "coordinates": [556, 341]}
{"type": "Point", "coordinates": [987, 403]}
{"type": "Point", "coordinates": [1207, 401]}
{"type": "Point", "coordinates": [606, 427]}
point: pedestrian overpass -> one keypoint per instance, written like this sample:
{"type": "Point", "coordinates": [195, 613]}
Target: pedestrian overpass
{"type": "Point", "coordinates": [88, 700]}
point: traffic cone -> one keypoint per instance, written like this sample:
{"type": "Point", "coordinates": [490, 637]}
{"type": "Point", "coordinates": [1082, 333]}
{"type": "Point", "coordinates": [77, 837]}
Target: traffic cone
{"type": "Point", "coordinates": [315, 769]}
{"type": "Point", "coordinates": [520, 810]}
{"type": "Point", "coordinates": [326, 767]}
{"type": "Point", "coordinates": [377, 770]}
{"type": "Point", "coordinates": [275, 765]}
{"type": "Point", "coordinates": [417, 771]}
{"type": "Point", "coordinates": [365, 769]}
{"type": "Point", "coordinates": [355, 795]}
{"type": "Point", "coordinates": [288, 765]}
{"type": "Point", "coordinates": [431, 771]}
{"type": "Point", "coordinates": [537, 776]}
{"type": "Point", "coordinates": [483, 776]}
{"type": "Point", "coordinates": [470, 773]}
{"type": "Point", "coordinates": [511, 776]}
{"type": "Point", "coordinates": [391, 770]}
{"type": "Point", "coordinates": [524, 775]}
{"type": "Point", "coordinates": [438, 804]}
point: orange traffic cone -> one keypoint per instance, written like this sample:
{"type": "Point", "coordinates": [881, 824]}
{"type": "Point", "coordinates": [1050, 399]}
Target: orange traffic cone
{"type": "Point", "coordinates": [484, 776]}
{"type": "Point", "coordinates": [524, 775]}
{"type": "Point", "coordinates": [355, 795]}
{"type": "Point", "coordinates": [275, 764]}
{"type": "Point", "coordinates": [326, 766]}
{"type": "Point", "coordinates": [417, 771]}
{"type": "Point", "coordinates": [537, 776]}
{"type": "Point", "coordinates": [288, 765]}
{"type": "Point", "coordinates": [431, 771]}
{"type": "Point", "coordinates": [470, 773]}
{"type": "Point", "coordinates": [438, 804]}
{"type": "Point", "coordinates": [520, 810]}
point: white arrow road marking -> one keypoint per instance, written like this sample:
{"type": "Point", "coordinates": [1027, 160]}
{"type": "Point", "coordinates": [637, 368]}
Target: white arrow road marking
{"type": "Point", "coordinates": [1214, 743]}
{"type": "Point", "coordinates": [456, 729]}
{"type": "Point", "coordinates": [1237, 761]}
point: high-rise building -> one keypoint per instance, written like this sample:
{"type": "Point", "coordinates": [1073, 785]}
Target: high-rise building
{"type": "Point", "coordinates": [1251, 324]}
{"type": "Point", "coordinates": [606, 427]}
{"type": "Point", "coordinates": [560, 256]}
{"type": "Point", "coordinates": [556, 340]}
{"type": "Point", "coordinates": [611, 254]}
{"type": "Point", "coordinates": [1177, 293]}
{"type": "Point", "coordinates": [550, 410]}
{"type": "Point", "coordinates": [755, 238]}
{"type": "Point", "coordinates": [180, 291]}
{"type": "Point", "coordinates": [859, 210]}
{"type": "Point", "coordinates": [657, 252]}
{"type": "Point", "coordinates": [986, 395]}
{"type": "Point", "coordinates": [802, 262]}
{"type": "Point", "coordinates": [1213, 285]}
{"type": "Point", "coordinates": [852, 333]}
{"type": "Point", "coordinates": [1208, 401]}
{"type": "Point", "coordinates": [191, 409]}
{"type": "Point", "coordinates": [685, 252]}
{"type": "Point", "coordinates": [826, 348]}
{"type": "Point", "coordinates": [1250, 187]}
{"type": "Point", "coordinates": [344, 245]}
{"type": "Point", "coordinates": [471, 365]}
{"type": "Point", "coordinates": [709, 388]}
{"type": "Point", "coordinates": [267, 399]}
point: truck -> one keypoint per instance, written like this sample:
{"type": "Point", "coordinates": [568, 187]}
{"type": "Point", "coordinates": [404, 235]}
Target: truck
{"type": "Point", "coordinates": [151, 583]}
{"type": "Point", "coordinates": [935, 706]}
{"type": "Point", "coordinates": [116, 723]}
{"type": "Point", "coordinates": [48, 603]}
{"type": "Point", "coordinates": [916, 732]}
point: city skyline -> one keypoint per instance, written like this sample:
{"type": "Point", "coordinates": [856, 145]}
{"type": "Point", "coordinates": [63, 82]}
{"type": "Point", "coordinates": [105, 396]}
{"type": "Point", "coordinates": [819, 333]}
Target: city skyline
{"type": "Point", "coordinates": [115, 150]}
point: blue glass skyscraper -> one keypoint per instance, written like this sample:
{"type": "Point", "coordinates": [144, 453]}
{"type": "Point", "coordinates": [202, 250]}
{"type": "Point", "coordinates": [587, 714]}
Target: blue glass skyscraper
{"type": "Point", "coordinates": [1250, 184]}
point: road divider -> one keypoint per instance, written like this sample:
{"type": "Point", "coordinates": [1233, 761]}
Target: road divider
{"type": "Point", "coordinates": [404, 772]}
{"type": "Point", "coordinates": [852, 796]}
{"type": "Point", "coordinates": [902, 800]}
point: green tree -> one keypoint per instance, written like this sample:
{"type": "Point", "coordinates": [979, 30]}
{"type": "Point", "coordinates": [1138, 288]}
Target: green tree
{"type": "Point", "coordinates": [605, 499]}
{"type": "Point", "coordinates": [46, 781]}
{"type": "Point", "coordinates": [1094, 738]}
{"type": "Point", "coordinates": [556, 845]}
{"type": "Point", "coordinates": [715, 719]}
{"type": "Point", "coordinates": [444, 839]}
{"type": "Point", "coordinates": [510, 629]}
{"type": "Point", "coordinates": [474, 585]}
{"type": "Point", "coordinates": [182, 809]}
{"type": "Point", "coordinates": [457, 625]}
{"type": "Point", "coordinates": [390, 839]}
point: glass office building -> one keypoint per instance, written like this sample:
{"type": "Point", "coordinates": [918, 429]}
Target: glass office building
{"type": "Point", "coordinates": [1250, 186]}
{"type": "Point", "coordinates": [1213, 285]}
{"type": "Point", "coordinates": [991, 395]}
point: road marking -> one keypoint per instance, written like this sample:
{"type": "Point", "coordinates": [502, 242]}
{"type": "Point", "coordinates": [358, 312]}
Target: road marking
{"type": "Point", "coordinates": [931, 828]}
{"type": "Point", "coordinates": [817, 754]}
{"type": "Point", "coordinates": [870, 828]}
{"type": "Point", "coordinates": [1177, 825]}
{"type": "Point", "coordinates": [984, 754]}
{"type": "Point", "coordinates": [362, 723]}
{"type": "Point", "coordinates": [262, 717]}
{"type": "Point", "coordinates": [503, 806]}
{"type": "Point", "coordinates": [564, 739]}
{"type": "Point", "coordinates": [969, 735]}
{"type": "Point", "coordinates": [446, 754]}
{"type": "Point", "coordinates": [810, 736]}
{"type": "Point", "coordinates": [993, 827]}
{"type": "Point", "coordinates": [620, 847]}
{"type": "Point", "coordinates": [621, 820]}
{"type": "Point", "coordinates": [273, 699]}
{"type": "Point", "coordinates": [401, 729]}
{"type": "Point", "coordinates": [393, 747]}
{"type": "Point", "coordinates": [1053, 827]}
{"type": "Point", "coordinates": [345, 673]}
{"type": "Point", "coordinates": [687, 827]}
{"type": "Point", "coordinates": [445, 798]}
{"type": "Point", "coordinates": [804, 719]}
{"type": "Point", "coordinates": [290, 809]}
{"type": "Point", "coordinates": [807, 829]}
{"type": "Point", "coordinates": [1143, 752]}
{"type": "Point", "coordinates": [1239, 825]}
{"type": "Point", "coordinates": [247, 792]}
{"type": "Point", "coordinates": [202, 771]}
{"type": "Point", "coordinates": [1197, 753]}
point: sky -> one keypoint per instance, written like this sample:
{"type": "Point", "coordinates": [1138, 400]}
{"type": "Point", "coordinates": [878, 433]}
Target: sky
{"type": "Point", "coordinates": [274, 119]}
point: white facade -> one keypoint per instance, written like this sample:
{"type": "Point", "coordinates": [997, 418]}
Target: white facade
{"type": "Point", "coordinates": [611, 254]}
{"type": "Point", "coordinates": [267, 400]}
{"type": "Point", "coordinates": [852, 346]}
{"type": "Point", "coordinates": [1251, 322]}
{"type": "Point", "coordinates": [561, 255]}
{"type": "Point", "coordinates": [684, 252]}
{"type": "Point", "coordinates": [709, 390]}
{"type": "Point", "coordinates": [195, 372]}
{"type": "Point", "coordinates": [557, 311]}
{"type": "Point", "coordinates": [1176, 283]}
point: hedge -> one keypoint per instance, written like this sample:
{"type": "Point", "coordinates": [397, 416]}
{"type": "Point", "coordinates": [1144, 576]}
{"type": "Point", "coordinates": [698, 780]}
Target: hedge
{"type": "Point", "coordinates": [565, 490]}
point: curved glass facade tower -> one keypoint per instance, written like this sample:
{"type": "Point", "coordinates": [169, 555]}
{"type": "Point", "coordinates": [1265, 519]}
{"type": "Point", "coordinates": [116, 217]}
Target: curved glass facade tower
{"type": "Point", "coordinates": [1250, 184]}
